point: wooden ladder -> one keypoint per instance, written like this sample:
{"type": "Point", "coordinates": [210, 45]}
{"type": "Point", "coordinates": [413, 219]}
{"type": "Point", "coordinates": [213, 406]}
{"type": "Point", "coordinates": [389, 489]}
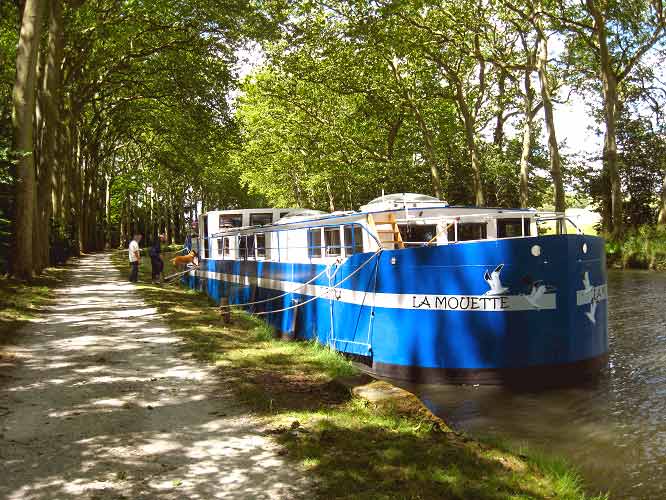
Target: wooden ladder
{"type": "Point", "coordinates": [387, 232]}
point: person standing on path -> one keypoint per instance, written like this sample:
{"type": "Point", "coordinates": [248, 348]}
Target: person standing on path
{"type": "Point", "coordinates": [134, 258]}
{"type": "Point", "coordinates": [156, 262]}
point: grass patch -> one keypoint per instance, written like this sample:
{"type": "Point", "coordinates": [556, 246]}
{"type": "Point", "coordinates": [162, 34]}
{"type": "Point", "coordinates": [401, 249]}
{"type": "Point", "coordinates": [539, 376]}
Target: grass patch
{"type": "Point", "coordinates": [351, 447]}
{"type": "Point", "coordinates": [21, 302]}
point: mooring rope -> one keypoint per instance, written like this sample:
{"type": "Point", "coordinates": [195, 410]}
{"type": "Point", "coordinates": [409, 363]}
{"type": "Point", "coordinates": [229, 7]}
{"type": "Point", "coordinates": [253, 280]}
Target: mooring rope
{"type": "Point", "coordinates": [180, 273]}
{"type": "Point", "coordinates": [281, 295]}
{"type": "Point", "coordinates": [171, 252]}
{"type": "Point", "coordinates": [328, 289]}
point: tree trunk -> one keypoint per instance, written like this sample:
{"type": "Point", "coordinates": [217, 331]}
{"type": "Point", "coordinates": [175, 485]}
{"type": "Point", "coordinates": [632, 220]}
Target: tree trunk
{"type": "Point", "coordinates": [76, 171]}
{"type": "Point", "coordinates": [470, 138]}
{"type": "Point", "coordinates": [498, 134]}
{"type": "Point", "coordinates": [428, 140]}
{"type": "Point", "coordinates": [51, 92]}
{"type": "Point", "coordinates": [609, 86]}
{"type": "Point", "coordinates": [553, 149]}
{"type": "Point", "coordinates": [331, 199]}
{"type": "Point", "coordinates": [123, 224]}
{"type": "Point", "coordinates": [429, 151]}
{"type": "Point", "coordinates": [22, 119]}
{"type": "Point", "coordinates": [40, 221]}
{"type": "Point", "coordinates": [662, 205]}
{"type": "Point", "coordinates": [178, 219]}
{"type": "Point", "coordinates": [107, 212]}
{"type": "Point", "coordinates": [527, 141]}
{"type": "Point", "coordinates": [610, 145]}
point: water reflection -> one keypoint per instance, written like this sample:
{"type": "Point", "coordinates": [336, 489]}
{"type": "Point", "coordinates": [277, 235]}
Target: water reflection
{"type": "Point", "coordinates": [613, 430]}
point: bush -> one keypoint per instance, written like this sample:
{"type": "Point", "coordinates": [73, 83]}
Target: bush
{"type": "Point", "coordinates": [641, 248]}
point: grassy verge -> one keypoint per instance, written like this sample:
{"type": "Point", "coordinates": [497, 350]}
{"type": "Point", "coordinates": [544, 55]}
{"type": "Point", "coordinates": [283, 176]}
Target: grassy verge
{"type": "Point", "coordinates": [354, 448]}
{"type": "Point", "coordinates": [20, 302]}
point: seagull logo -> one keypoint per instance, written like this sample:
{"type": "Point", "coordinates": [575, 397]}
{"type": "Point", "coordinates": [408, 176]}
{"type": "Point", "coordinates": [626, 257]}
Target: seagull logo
{"type": "Point", "coordinates": [536, 294]}
{"type": "Point", "coordinates": [588, 288]}
{"type": "Point", "coordinates": [494, 281]}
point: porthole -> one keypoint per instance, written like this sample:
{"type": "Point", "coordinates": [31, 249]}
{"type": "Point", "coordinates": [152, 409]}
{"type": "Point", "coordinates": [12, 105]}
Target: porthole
{"type": "Point", "coordinates": [536, 250]}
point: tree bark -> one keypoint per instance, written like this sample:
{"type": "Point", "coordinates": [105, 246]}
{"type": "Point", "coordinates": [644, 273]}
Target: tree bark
{"type": "Point", "coordinates": [527, 141]}
{"type": "Point", "coordinates": [429, 151]}
{"type": "Point", "coordinates": [40, 221]}
{"type": "Point", "coordinates": [429, 148]}
{"type": "Point", "coordinates": [22, 119]}
{"type": "Point", "coordinates": [553, 149]}
{"type": "Point", "coordinates": [470, 138]}
{"type": "Point", "coordinates": [662, 208]}
{"type": "Point", "coordinates": [498, 134]}
{"type": "Point", "coordinates": [51, 100]}
{"type": "Point", "coordinates": [107, 211]}
{"type": "Point", "coordinates": [609, 85]}
{"type": "Point", "coordinates": [331, 199]}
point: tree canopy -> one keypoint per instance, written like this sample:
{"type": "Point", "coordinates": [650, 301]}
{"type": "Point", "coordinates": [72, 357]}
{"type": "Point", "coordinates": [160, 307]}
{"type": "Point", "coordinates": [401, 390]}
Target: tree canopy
{"type": "Point", "coordinates": [118, 117]}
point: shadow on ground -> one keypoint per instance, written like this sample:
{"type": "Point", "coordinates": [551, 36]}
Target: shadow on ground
{"type": "Point", "coordinates": [105, 406]}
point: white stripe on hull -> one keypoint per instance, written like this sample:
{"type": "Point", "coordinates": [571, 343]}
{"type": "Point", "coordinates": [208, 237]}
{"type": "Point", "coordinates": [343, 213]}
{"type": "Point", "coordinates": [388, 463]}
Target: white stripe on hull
{"type": "Point", "coordinates": [592, 294]}
{"type": "Point", "coordinates": [471, 303]}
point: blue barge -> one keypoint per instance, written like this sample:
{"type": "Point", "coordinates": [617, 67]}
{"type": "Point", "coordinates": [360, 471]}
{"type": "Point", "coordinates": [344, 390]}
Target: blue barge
{"type": "Point", "coordinates": [417, 289]}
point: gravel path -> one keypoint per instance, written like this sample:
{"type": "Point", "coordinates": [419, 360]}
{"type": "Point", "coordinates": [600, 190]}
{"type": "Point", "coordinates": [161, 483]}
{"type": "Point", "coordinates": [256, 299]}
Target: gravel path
{"type": "Point", "coordinates": [104, 406]}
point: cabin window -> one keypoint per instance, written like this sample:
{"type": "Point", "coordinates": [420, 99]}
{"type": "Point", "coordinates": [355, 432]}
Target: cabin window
{"type": "Point", "coordinates": [227, 246]}
{"type": "Point", "coordinates": [417, 234]}
{"type": "Point", "coordinates": [314, 242]}
{"type": "Point", "coordinates": [230, 220]}
{"type": "Point", "coordinates": [220, 246]}
{"type": "Point", "coordinates": [469, 231]}
{"type": "Point", "coordinates": [511, 228]}
{"type": "Point", "coordinates": [250, 246]}
{"type": "Point", "coordinates": [260, 219]}
{"type": "Point", "coordinates": [242, 247]}
{"type": "Point", "coordinates": [261, 245]}
{"type": "Point", "coordinates": [353, 239]}
{"type": "Point", "coordinates": [332, 240]}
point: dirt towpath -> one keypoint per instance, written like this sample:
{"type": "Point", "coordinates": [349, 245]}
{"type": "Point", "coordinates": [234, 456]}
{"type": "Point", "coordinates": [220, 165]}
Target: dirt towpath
{"type": "Point", "coordinates": [103, 405]}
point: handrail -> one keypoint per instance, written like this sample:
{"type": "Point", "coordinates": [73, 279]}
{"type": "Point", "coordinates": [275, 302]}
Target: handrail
{"type": "Point", "coordinates": [559, 216]}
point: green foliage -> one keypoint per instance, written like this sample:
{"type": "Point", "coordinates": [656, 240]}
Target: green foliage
{"type": "Point", "coordinates": [641, 248]}
{"type": "Point", "coordinates": [351, 98]}
{"type": "Point", "coordinates": [349, 103]}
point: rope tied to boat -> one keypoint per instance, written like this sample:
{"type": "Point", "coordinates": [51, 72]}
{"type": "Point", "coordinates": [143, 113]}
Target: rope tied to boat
{"type": "Point", "coordinates": [328, 289]}
{"type": "Point", "coordinates": [180, 273]}
{"type": "Point", "coordinates": [338, 262]}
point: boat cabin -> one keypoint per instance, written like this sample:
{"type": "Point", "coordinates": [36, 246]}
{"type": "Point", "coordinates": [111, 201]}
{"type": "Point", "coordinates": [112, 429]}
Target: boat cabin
{"type": "Point", "coordinates": [391, 222]}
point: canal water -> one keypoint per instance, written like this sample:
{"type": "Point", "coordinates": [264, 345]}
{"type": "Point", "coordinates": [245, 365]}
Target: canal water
{"type": "Point", "coordinates": [613, 431]}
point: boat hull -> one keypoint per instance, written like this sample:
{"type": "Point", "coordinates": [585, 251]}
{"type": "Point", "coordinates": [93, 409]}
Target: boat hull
{"type": "Point", "coordinates": [525, 310]}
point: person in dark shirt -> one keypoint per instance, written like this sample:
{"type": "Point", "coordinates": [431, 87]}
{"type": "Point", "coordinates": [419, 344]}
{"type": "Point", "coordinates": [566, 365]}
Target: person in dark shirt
{"type": "Point", "coordinates": [156, 259]}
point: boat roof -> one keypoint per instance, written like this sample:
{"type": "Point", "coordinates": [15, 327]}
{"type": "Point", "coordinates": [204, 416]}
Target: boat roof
{"type": "Point", "coordinates": [387, 203]}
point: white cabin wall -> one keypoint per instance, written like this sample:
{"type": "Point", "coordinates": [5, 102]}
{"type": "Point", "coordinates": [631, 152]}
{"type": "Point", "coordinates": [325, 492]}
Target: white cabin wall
{"type": "Point", "coordinates": [491, 228]}
{"type": "Point", "coordinates": [213, 228]}
{"type": "Point", "coordinates": [297, 242]}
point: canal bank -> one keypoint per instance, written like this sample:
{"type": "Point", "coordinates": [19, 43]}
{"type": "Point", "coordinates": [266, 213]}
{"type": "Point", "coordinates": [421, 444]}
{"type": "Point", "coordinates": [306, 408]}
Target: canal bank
{"type": "Point", "coordinates": [613, 431]}
{"type": "Point", "coordinates": [357, 441]}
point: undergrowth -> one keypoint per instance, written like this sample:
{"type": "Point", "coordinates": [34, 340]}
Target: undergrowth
{"type": "Point", "coordinates": [21, 301]}
{"type": "Point", "coordinates": [642, 248]}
